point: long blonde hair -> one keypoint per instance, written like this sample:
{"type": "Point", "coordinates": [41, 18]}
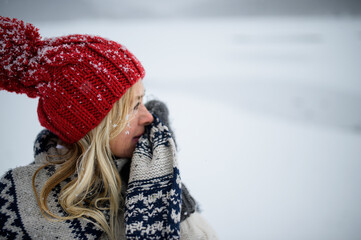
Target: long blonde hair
{"type": "Point", "coordinates": [96, 185]}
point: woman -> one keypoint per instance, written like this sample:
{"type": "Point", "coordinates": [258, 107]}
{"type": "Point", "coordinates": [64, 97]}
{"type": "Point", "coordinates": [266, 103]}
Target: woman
{"type": "Point", "coordinates": [105, 167]}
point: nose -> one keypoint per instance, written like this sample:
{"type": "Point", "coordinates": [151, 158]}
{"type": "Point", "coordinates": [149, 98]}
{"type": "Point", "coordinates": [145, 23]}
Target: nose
{"type": "Point", "coordinates": [146, 117]}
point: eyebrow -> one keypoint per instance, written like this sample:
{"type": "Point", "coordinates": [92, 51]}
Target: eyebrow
{"type": "Point", "coordinates": [141, 96]}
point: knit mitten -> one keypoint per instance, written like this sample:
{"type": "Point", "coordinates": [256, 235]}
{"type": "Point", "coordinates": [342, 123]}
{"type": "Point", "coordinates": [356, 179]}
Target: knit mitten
{"type": "Point", "coordinates": [153, 198]}
{"type": "Point", "coordinates": [160, 109]}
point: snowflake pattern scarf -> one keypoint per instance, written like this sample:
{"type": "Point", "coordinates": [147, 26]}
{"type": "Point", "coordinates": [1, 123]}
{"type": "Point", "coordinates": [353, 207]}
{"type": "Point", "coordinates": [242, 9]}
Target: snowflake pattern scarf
{"type": "Point", "coordinates": [153, 199]}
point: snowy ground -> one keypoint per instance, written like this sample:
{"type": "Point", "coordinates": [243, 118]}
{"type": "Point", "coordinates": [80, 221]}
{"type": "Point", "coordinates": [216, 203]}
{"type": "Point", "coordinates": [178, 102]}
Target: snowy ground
{"type": "Point", "coordinates": [266, 113]}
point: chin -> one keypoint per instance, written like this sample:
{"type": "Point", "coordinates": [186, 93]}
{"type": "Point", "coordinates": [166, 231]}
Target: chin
{"type": "Point", "coordinates": [130, 153]}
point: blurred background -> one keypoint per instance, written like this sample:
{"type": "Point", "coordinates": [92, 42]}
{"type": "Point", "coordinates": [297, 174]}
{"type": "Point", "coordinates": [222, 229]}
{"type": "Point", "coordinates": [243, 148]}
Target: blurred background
{"type": "Point", "coordinates": [264, 98]}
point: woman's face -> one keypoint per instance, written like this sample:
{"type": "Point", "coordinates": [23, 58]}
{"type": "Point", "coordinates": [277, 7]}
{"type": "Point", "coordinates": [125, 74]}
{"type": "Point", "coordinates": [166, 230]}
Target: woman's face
{"type": "Point", "coordinates": [124, 143]}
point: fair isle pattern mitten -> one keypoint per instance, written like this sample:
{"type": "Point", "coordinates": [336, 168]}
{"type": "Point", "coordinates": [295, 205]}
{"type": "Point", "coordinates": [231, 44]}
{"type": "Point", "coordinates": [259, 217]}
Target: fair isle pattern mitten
{"type": "Point", "coordinates": [153, 198]}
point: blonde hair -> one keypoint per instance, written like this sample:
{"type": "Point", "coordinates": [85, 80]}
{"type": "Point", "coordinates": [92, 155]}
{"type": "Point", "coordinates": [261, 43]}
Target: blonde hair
{"type": "Point", "coordinates": [97, 184]}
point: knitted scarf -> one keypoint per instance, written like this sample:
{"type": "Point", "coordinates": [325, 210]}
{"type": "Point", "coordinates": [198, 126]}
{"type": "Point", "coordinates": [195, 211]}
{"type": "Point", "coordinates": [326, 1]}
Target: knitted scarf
{"type": "Point", "coordinates": [153, 195]}
{"type": "Point", "coordinates": [153, 199]}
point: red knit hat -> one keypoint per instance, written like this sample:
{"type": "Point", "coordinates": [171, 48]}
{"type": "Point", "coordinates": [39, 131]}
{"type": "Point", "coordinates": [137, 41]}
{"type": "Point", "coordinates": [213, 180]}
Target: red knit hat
{"type": "Point", "coordinates": [77, 78]}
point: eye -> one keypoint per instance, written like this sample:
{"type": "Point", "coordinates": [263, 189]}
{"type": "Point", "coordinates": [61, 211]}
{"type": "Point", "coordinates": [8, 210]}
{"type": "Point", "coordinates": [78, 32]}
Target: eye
{"type": "Point", "coordinates": [136, 106]}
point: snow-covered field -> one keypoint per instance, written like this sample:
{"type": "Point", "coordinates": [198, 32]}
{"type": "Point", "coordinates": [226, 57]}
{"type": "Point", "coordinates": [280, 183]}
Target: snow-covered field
{"type": "Point", "coordinates": [266, 113]}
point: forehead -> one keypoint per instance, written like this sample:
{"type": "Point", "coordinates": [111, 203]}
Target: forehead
{"type": "Point", "coordinates": [138, 89]}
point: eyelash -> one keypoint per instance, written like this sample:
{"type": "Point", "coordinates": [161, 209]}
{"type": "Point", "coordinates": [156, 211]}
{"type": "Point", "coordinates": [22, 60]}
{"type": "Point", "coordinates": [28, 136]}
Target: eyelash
{"type": "Point", "coordinates": [137, 106]}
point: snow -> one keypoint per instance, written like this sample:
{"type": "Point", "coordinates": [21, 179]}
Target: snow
{"type": "Point", "coordinates": [266, 114]}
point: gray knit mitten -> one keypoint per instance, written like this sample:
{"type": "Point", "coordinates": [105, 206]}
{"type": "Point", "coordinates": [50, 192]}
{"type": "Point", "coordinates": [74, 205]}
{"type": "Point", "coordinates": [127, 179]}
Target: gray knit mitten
{"type": "Point", "coordinates": [159, 109]}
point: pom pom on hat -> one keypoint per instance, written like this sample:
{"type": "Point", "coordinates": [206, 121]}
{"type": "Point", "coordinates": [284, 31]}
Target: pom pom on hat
{"type": "Point", "coordinates": [18, 44]}
{"type": "Point", "coordinates": [77, 78]}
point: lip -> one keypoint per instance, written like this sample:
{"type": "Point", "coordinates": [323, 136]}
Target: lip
{"type": "Point", "coordinates": [136, 138]}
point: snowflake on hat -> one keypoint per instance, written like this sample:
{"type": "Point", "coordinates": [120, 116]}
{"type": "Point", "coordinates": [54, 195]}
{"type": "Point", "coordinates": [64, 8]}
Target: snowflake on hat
{"type": "Point", "coordinates": [18, 45]}
{"type": "Point", "coordinates": [67, 73]}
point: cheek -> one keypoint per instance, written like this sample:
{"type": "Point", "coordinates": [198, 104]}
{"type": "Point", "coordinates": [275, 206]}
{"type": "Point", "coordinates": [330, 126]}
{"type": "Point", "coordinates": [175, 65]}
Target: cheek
{"type": "Point", "coordinates": [124, 137]}
{"type": "Point", "coordinates": [131, 126]}
{"type": "Point", "coordinates": [120, 145]}
{"type": "Point", "coordinates": [123, 145]}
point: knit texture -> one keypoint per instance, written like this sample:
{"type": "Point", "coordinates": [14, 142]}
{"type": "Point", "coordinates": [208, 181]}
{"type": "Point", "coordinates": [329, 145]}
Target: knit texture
{"type": "Point", "coordinates": [153, 200]}
{"type": "Point", "coordinates": [77, 78]}
{"type": "Point", "coordinates": [160, 109]}
{"type": "Point", "coordinates": [20, 216]}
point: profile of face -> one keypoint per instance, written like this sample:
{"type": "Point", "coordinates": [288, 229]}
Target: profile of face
{"type": "Point", "coordinates": [123, 145]}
